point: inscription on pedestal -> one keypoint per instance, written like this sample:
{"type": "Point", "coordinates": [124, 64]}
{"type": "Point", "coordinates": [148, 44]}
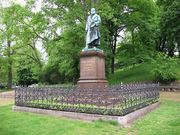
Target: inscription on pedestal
{"type": "Point", "coordinates": [88, 68]}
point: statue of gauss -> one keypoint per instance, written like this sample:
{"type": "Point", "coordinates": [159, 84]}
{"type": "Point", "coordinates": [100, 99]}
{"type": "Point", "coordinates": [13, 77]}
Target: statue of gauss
{"type": "Point", "coordinates": [92, 30]}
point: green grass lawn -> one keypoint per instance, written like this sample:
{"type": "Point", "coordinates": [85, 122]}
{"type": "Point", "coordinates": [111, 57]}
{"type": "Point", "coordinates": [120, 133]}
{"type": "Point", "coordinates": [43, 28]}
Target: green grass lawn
{"type": "Point", "coordinates": [141, 72]}
{"type": "Point", "coordinates": [18, 123]}
{"type": "Point", "coordinates": [163, 121]}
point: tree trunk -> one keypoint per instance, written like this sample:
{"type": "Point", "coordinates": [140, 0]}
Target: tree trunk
{"type": "Point", "coordinates": [163, 44]}
{"type": "Point", "coordinates": [93, 2]}
{"type": "Point", "coordinates": [9, 85]}
{"type": "Point", "coordinates": [171, 52]}
{"type": "Point", "coordinates": [132, 33]}
{"type": "Point", "coordinates": [112, 65]}
{"type": "Point", "coordinates": [171, 46]}
{"type": "Point", "coordinates": [113, 52]}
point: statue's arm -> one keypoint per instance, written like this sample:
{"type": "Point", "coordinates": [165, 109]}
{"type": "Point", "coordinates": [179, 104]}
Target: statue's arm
{"type": "Point", "coordinates": [98, 21]}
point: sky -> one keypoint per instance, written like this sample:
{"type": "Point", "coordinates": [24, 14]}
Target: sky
{"type": "Point", "coordinates": [22, 2]}
{"type": "Point", "coordinates": [6, 3]}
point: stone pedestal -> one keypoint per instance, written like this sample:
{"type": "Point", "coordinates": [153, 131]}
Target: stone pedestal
{"type": "Point", "coordinates": [92, 70]}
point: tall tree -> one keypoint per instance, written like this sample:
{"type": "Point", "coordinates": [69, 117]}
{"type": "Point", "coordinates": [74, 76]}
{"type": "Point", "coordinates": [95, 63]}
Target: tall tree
{"type": "Point", "coordinates": [169, 26]}
{"type": "Point", "coordinates": [8, 23]}
{"type": "Point", "coordinates": [21, 30]}
{"type": "Point", "coordinates": [134, 17]}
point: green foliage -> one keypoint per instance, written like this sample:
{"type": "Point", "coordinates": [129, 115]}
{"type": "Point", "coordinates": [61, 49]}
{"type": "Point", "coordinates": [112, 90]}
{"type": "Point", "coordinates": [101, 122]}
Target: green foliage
{"type": "Point", "coordinates": [137, 45]}
{"type": "Point", "coordinates": [3, 86]}
{"type": "Point", "coordinates": [164, 69]}
{"type": "Point", "coordinates": [141, 23]}
{"type": "Point", "coordinates": [169, 34]}
{"type": "Point", "coordinates": [25, 75]}
{"type": "Point", "coordinates": [51, 74]}
{"type": "Point", "coordinates": [3, 70]}
{"type": "Point", "coordinates": [21, 30]}
{"type": "Point", "coordinates": [144, 72]}
{"type": "Point", "coordinates": [66, 65]}
{"type": "Point", "coordinates": [137, 73]}
{"type": "Point", "coordinates": [131, 54]}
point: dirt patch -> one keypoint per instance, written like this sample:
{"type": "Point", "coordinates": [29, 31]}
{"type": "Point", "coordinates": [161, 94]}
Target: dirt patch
{"type": "Point", "coordinates": [170, 96]}
{"type": "Point", "coordinates": [9, 94]}
{"type": "Point", "coordinates": [6, 98]}
{"type": "Point", "coordinates": [6, 101]}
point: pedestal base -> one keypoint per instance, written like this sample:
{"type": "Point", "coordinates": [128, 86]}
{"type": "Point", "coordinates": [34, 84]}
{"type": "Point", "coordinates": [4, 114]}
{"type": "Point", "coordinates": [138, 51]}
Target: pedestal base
{"type": "Point", "coordinates": [92, 70]}
{"type": "Point", "coordinates": [92, 84]}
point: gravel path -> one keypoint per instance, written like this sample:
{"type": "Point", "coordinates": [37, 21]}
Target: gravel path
{"type": "Point", "coordinates": [9, 94]}
{"type": "Point", "coordinates": [6, 98]}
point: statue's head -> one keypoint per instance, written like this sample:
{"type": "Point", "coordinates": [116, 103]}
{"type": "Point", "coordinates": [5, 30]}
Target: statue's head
{"type": "Point", "coordinates": [93, 11]}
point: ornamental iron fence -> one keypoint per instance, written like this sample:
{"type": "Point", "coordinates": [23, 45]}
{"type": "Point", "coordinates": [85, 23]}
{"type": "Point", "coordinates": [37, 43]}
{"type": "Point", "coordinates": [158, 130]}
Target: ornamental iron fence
{"type": "Point", "coordinates": [115, 100]}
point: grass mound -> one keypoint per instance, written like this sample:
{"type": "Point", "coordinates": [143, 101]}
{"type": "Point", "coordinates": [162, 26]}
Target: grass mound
{"type": "Point", "coordinates": [138, 73]}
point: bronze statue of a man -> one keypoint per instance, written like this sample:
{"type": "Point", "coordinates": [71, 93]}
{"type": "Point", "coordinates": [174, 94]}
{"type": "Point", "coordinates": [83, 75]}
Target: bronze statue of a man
{"type": "Point", "coordinates": [92, 30]}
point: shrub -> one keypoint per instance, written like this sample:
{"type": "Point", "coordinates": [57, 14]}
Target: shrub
{"type": "Point", "coordinates": [3, 85]}
{"type": "Point", "coordinates": [26, 76]}
{"type": "Point", "coordinates": [164, 69]}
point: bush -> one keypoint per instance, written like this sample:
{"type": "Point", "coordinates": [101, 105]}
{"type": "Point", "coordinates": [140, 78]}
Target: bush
{"type": "Point", "coordinates": [51, 75]}
{"type": "Point", "coordinates": [164, 69]}
{"type": "Point", "coordinates": [26, 76]}
{"type": "Point", "coordinates": [3, 86]}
